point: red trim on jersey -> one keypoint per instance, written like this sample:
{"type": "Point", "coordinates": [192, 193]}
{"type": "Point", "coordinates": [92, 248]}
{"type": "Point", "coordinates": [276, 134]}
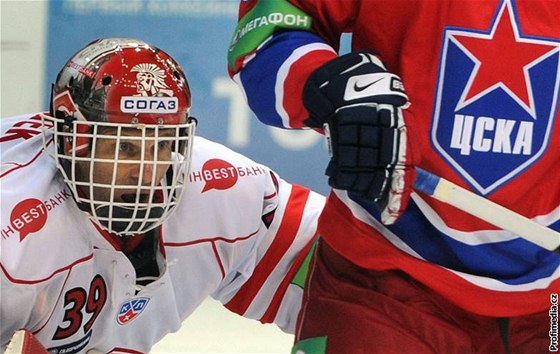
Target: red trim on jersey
{"type": "Point", "coordinates": [270, 314]}
{"type": "Point", "coordinates": [213, 239]}
{"type": "Point", "coordinates": [107, 236]}
{"type": "Point", "coordinates": [219, 259]}
{"type": "Point", "coordinates": [270, 196]}
{"type": "Point", "coordinates": [119, 350]}
{"type": "Point", "coordinates": [293, 85]}
{"type": "Point", "coordinates": [22, 281]}
{"type": "Point", "coordinates": [282, 242]}
{"type": "Point", "coordinates": [123, 244]}
{"type": "Point", "coordinates": [17, 166]}
{"type": "Point", "coordinates": [162, 249]}
{"type": "Point", "coordinates": [213, 242]}
{"type": "Point", "coordinates": [370, 250]}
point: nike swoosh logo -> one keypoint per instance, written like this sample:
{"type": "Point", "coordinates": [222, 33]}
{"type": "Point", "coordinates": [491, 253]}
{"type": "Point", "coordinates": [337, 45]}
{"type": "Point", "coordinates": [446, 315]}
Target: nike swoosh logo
{"type": "Point", "coordinates": [361, 88]}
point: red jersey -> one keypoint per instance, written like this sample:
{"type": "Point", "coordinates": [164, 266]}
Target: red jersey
{"type": "Point", "coordinates": [483, 79]}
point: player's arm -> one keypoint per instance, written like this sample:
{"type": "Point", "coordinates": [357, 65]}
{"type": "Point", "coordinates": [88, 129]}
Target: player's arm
{"type": "Point", "coordinates": [262, 284]}
{"type": "Point", "coordinates": [275, 47]}
{"type": "Point", "coordinates": [354, 98]}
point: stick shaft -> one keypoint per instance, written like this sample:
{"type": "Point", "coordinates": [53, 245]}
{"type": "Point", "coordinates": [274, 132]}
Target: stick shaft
{"type": "Point", "coordinates": [495, 214]}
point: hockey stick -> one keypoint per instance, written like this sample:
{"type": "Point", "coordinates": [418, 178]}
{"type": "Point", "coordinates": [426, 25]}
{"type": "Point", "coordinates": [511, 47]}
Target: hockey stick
{"type": "Point", "coordinates": [495, 214]}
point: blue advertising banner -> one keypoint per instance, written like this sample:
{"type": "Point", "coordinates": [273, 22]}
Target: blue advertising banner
{"type": "Point", "coordinates": [197, 34]}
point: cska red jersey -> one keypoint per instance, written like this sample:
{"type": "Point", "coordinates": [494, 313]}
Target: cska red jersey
{"type": "Point", "coordinates": [483, 80]}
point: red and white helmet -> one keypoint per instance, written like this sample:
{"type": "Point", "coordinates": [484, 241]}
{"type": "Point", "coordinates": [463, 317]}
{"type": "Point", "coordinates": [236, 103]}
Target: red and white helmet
{"type": "Point", "coordinates": [120, 109]}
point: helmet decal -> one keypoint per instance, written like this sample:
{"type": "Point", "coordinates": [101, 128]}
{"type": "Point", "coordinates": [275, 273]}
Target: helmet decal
{"type": "Point", "coordinates": [150, 80]}
{"type": "Point", "coordinates": [153, 94]}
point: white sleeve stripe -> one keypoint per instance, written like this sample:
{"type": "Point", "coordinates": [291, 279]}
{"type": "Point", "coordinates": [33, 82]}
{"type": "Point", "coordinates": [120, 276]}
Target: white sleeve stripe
{"type": "Point", "coordinates": [283, 73]}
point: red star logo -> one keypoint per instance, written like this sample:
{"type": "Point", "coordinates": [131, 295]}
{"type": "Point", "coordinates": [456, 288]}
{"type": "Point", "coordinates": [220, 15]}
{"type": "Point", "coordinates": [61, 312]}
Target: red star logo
{"type": "Point", "coordinates": [502, 59]}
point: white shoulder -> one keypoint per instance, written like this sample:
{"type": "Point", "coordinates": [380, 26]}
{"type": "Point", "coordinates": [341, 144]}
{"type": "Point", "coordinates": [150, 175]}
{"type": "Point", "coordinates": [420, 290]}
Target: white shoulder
{"type": "Point", "coordinates": [40, 231]}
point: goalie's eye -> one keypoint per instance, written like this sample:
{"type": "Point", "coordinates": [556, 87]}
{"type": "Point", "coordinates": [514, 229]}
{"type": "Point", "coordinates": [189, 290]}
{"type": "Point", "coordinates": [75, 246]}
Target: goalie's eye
{"type": "Point", "coordinates": [126, 147]}
{"type": "Point", "coordinates": [165, 145]}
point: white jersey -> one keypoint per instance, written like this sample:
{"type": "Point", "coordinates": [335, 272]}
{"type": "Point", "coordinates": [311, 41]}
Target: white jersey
{"type": "Point", "coordinates": [239, 235]}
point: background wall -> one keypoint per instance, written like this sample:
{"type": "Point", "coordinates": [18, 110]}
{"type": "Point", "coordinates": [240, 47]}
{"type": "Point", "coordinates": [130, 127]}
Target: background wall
{"type": "Point", "coordinates": [22, 56]}
{"type": "Point", "coordinates": [37, 37]}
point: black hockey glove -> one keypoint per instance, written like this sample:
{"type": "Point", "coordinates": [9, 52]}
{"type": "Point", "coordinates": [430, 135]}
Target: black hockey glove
{"type": "Point", "coordinates": [359, 106]}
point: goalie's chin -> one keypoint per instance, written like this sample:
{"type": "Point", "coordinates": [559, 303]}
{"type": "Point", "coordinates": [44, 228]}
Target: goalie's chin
{"type": "Point", "coordinates": [129, 221]}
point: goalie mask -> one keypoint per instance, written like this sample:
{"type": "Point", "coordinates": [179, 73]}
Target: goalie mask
{"type": "Point", "coordinates": [120, 110]}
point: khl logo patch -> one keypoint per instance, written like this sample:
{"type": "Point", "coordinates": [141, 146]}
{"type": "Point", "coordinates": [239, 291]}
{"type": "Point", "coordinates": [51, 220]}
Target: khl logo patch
{"type": "Point", "coordinates": [496, 100]}
{"type": "Point", "coordinates": [131, 309]}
